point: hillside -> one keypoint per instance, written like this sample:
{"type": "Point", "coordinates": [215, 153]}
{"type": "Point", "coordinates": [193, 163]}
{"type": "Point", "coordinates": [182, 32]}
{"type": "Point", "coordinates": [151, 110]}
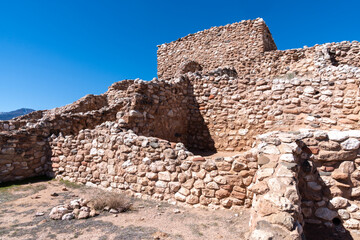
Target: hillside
{"type": "Point", "coordinates": [16, 113]}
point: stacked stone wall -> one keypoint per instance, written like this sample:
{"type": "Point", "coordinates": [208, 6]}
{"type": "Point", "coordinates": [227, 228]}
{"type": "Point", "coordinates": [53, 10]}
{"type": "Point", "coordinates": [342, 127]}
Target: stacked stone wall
{"type": "Point", "coordinates": [22, 155]}
{"type": "Point", "coordinates": [215, 47]}
{"type": "Point", "coordinates": [306, 178]}
{"type": "Point", "coordinates": [135, 137]}
{"type": "Point", "coordinates": [111, 157]}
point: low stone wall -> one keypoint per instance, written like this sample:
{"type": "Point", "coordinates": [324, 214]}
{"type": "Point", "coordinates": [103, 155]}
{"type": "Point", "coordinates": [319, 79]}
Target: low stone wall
{"type": "Point", "coordinates": [114, 158]}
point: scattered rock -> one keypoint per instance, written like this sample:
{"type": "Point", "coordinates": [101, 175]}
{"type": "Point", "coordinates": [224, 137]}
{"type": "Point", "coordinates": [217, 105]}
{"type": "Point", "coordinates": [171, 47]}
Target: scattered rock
{"type": "Point", "coordinates": [58, 212]}
{"type": "Point", "coordinates": [83, 214]}
{"type": "Point", "coordinates": [113, 211]}
{"type": "Point", "coordinates": [39, 214]}
{"type": "Point", "coordinates": [68, 216]}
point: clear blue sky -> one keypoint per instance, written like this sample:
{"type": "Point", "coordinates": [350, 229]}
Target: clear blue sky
{"type": "Point", "coordinates": [53, 52]}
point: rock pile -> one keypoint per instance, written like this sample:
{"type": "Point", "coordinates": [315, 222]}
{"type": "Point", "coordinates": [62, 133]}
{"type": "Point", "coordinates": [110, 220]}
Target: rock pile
{"type": "Point", "coordinates": [76, 209]}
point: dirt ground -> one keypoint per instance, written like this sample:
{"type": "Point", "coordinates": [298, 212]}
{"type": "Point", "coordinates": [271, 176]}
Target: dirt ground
{"type": "Point", "coordinates": [146, 219]}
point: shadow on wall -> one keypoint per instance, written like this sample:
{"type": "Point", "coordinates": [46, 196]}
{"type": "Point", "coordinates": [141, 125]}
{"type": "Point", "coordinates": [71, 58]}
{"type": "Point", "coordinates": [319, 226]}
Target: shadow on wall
{"type": "Point", "coordinates": [320, 215]}
{"type": "Point", "coordinates": [23, 155]}
{"type": "Point", "coordinates": [199, 139]}
{"type": "Point", "coordinates": [170, 111]}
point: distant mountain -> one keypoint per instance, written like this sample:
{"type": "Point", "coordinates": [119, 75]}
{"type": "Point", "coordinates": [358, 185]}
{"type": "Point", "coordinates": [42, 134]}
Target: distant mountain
{"type": "Point", "coordinates": [16, 113]}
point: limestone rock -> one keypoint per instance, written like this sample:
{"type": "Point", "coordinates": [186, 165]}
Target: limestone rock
{"type": "Point", "coordinates": [339, 202]}
{"type": "Point", "coordinates": [58, 212]}
{"type": "Point", "coordinates": [350, 144]}
{"type": "Point", "coordinates": [68, 216]}
{"type": "Point", "coordinates": [338, 136]}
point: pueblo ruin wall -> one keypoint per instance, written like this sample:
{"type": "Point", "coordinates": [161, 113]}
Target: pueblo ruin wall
{"type": "Point", "coordinates": [292, 117]}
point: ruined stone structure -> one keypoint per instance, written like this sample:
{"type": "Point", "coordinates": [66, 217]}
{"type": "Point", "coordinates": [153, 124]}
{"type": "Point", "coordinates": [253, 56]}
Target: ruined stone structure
{"type": "Point", "coordinates": [290, 117]}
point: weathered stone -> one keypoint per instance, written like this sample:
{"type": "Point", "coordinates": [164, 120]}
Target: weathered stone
{"type": "Point", "coordinates": [307, 212]}
{"type": "Point", "coordinates": [180, 197]}
{"type": "Point", "coordinates": [336, 156]}
{"type": "Point", "coordinates": [352, 224]}
{"type": "Point", "coordinates": [164, 176]}
{"type": "Point", "coordinates": [238, 166]}
{"type": "Point", "coordinates": [264, 173]}
{"type": "Point", "coordinates": [226, 203]}
{"type": "Point", "coordinates": [184, 191]}
{"type": "Point", "coordinates": [191, 199]}
{"type": "Point", "coordinates": [283, 219]}
{"type": "Point", "coordinates": [325, 213]}
{"type": "Point", "coordinates": [287, 158]}
{"type": "Point", "coordinates": [68, 216]}
{"type": "Point", "coordinates": [259, 188]}
{"type": "Point", "coordinates": [220, 180]}
{"type": "Point", "coordinates": [58, 212]}
{"type": "Point", "coordinates": [330, 146]}
{"type": "Point", "coordinates": [338, 175]}
{"type": "Point", "coordinates": [338, 136]}
{"type": "Point", "coordinates": [350, 144]}
{"type": "Point", "coordinates": [262, 160]}
{"type": "Point", "coordinates": [270, 149]}
{"type": "Point", "coordinates": [339, 202]}
{"type": "Point", "coordinates": [344, 215]}
{"type": "Point", "coordinates": [347, 167]}
{"type": "Point", "coordinates": [222, 193]}
{"type": "Point", "coordinates": [212, 185]}
{"type": "Point", "coordinates": [314, 186]}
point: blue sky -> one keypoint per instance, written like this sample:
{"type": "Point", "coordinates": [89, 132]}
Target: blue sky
{"type": "Point", "coordinates": [54, 52]}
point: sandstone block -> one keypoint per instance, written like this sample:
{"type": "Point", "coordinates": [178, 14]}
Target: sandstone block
{"type": "Point", "coordinates": [164, 176]}
{"type": "Point", "coordinates": [226, 203]}
{"type": "Point", "coordinates": [191, 199]}
{"type": "Point", "coordinates": [336, 156]}
{"type": "Point", "coordinates": [184, 191]}
{"type": "Point", "coordinates": [220, 180]}
{"type": "Point", "coordinates": [180, 197]}
{"type": "Point", "coordinates": [222, 193]}
{"type": "Point", "coordinates": [212, 185]}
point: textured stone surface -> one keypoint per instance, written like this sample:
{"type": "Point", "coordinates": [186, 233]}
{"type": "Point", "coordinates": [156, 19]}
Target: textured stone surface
{"type": "Point", "coordinates": [350, 144]}
{"type": "Point", "coordinates": [325, 213]}
{"type": "Point", "coordinates": [225, 90]}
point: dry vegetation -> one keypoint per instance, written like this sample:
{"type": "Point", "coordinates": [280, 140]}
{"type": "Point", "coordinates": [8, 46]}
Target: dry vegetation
{"type": "Point", "coordinates": [109, 200]}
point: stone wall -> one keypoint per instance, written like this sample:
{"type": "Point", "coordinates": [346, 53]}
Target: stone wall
{"type": "Point", "coordinates": [114, 158]}
{"type": "Point", "coordinates": [122, 102]}
{"type": "Point", "coordinates": [305, 178]}
{"type": "Point", "coordinates": [22, 155]}
{"type": "Point", "coordinates": [225, 91]}
{"type": "Point", "coordinates": [276, 207]}
{"type": "Point", "coordinates": [235, 109]}
{"type": "Point", "coordinates": [215, 47]}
